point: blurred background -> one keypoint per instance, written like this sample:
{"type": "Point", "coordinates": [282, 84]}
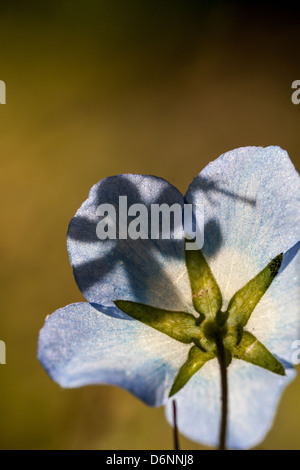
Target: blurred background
{"type": "Point", "coordinates": [98, 88]}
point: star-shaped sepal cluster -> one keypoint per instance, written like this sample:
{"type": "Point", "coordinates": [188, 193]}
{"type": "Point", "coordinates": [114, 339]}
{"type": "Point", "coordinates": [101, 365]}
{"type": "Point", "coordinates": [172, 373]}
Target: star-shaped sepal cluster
{"type": "Point", "coordinates": [210, 328]}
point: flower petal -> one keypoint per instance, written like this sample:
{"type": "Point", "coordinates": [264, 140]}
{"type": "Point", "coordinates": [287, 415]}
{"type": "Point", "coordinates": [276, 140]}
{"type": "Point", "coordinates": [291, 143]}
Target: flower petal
{"type": "Point", "coordinates": [144, 270]}
{"type": "Point", "coordinates": [78, 345]}
{"type": "Point", "coordinates": [253, 397]}
{"type": "Point", "coordinates": [252, 214]}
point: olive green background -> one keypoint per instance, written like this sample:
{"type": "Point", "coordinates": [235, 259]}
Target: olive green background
{"type": "Point", "coordinates": [97, 89]}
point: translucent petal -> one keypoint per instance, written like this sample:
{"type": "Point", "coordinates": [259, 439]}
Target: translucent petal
{"type": "Point", "coordinates": [79, 345]}
{"type": "Point", "coordinates": [252, 213]}
{"type": "Point", "coordinates": [253, 397]}
{"type": "Point", "coordinates": [148, 271]}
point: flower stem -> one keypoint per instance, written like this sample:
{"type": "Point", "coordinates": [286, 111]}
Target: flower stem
{"type": "Point", "coordinates": [175, 430]}
{"type": "Point", "coordinates": [224, 393]}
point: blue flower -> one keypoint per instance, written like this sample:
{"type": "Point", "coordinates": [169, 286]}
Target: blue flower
{"type": "Point", "coordinates": [251, 215]}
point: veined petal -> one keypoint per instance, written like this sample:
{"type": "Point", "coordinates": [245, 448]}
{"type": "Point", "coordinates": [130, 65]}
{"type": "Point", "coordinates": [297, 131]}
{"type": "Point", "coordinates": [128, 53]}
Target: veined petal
{"type": "Point", "coordinates": [149, 271]}
{"type": "Point", "coordinates": [79, 345]}
{"type": "Point", "coordinates": [253, 398]}
{"type": "Point", "coordinates": [252, 213]}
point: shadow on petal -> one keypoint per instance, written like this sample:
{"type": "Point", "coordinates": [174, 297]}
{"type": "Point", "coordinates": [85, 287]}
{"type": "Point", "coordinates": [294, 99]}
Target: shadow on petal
{"type": "Point", "coordinates": [210, 187]}
{"type": "Point", "coordinates": [143, 270]}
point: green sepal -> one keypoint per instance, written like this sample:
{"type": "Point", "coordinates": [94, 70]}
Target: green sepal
{"type": "Point", "coordinates": [221, 318]}
{"type": "Point", "coordinates": [206, 295]}
{"type": "Point", "coordinates": [196, 359]}
{"type": "Point", "coordinates": [178, 325]}
{"type": "Point", "coordinates": [245, 300]}
{"type": "Point", "coordinates": [251, 350]}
